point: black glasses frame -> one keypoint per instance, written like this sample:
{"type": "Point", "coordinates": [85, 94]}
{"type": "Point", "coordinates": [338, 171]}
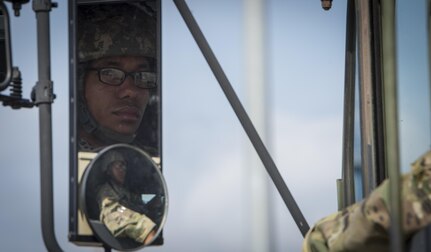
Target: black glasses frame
{"type": "Point", "coordinates": [134, 75]}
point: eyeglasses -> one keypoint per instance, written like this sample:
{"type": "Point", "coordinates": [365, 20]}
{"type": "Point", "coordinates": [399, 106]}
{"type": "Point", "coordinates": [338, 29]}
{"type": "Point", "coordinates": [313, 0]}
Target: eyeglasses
{"type": "Point", "coordinates": [115, 77]}
{"type": "Point", "coordinates": [119, 165]}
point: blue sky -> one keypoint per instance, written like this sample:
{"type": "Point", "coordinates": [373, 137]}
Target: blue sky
{"type": "Point", "coordinates": [204, 145]}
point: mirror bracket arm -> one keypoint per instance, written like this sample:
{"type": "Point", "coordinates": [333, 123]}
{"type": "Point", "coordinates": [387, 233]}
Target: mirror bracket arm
{"type": "Point", "coordinates": [43, 5]}
{"type": "Point", "coordinates": [43, 92]}
{"type": "Point", "coordinates": [15, 98]}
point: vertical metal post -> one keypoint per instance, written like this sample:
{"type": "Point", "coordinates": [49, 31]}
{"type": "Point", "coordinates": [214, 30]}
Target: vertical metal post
{"type": "Point", "coordinates": [376, 17]}
{"type": "Point", "coordinates": [391, 123]}
{"type": "Point", "coordinates": [348, 194]}
{"type": "Point", "coordinates": [428, 13]}
{"type": "Point", "coordinates": [257, 90]}
{"type": "Point", "coordinates": [366, 97]}
{"type": "Point", "coordinates": [44, 98]}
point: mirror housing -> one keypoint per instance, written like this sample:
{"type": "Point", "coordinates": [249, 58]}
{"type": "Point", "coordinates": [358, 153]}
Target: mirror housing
{"type": "Point", "coordinates": [124, 197]}
{"type": "Point", "coordinates": [5, 48]}
{"type": "Point", "coordinates": [90, 132]}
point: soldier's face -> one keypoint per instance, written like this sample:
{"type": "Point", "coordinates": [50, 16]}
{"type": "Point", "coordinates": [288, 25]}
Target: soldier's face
{"type": "Point", "coordinates": [117, 108]}
{"type": "Point", "coordinates": [118, 172]}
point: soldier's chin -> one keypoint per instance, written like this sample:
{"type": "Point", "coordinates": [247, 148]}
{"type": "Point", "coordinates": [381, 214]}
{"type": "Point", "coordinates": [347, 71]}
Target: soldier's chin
{"type": "Point", "coordinates": [127, 129]}
{"type": "Point", "coordinates": [126, 134]}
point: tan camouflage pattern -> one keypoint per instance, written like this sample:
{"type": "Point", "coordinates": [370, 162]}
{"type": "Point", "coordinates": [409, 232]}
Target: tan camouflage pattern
{"type": "Point", "coordinates": [123, 222]}
{"type": "Point", "coordinates": [115, 30]}
{"type": "Point", "coordinates": [120, 220]}
{"type": "Point", "coordinates": [364, 226]}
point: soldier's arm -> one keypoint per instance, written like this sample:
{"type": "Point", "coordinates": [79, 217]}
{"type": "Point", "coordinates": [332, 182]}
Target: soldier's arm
{"type": "Point", "coordinates": [122, 221]}
{"type": "Point", "coordinates": [364, 226]}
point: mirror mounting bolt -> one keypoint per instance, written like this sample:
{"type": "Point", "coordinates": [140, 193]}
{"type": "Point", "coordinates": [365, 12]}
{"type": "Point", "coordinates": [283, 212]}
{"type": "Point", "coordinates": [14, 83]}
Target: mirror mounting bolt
{"type": "Point", "coordinates": [16, 5]}
{"type": "Point", "coordinates": [43, 5]}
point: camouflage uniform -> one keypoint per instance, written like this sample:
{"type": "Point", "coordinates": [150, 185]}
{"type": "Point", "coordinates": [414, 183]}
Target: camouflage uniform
{"type": "Point", "coordinates": [364, 226]}
{"type": "Point", "coordinates": [122, 212]}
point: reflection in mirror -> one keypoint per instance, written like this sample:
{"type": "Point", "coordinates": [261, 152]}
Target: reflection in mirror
{"type": "Point", "coordinates": [5, 51]}
{"type": "Point", "coordinates": [124, 197]}
{"type": "Point", "coordinates": [117, 85]}
{"type": "Point", "coordinates": [117, 76]}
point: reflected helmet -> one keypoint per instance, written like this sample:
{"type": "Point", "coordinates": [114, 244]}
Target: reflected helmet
{"type": "Point", "coordinates": [116, 30]}
{"type": "Point", "coordinates": [110, 157]}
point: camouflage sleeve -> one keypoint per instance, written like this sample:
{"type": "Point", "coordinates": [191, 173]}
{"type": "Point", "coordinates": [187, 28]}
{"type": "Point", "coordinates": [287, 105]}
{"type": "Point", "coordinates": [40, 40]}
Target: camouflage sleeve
{"type": "Point", "coordinates": [123, 222]}
{"type": "Point", "coordinates": [364, 226]}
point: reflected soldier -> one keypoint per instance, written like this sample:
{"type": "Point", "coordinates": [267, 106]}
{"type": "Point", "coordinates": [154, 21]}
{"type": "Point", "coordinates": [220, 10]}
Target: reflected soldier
{"type": "Point", "coordinates": [116, 72]}
{"type": "Point", "coordinates": [123, 212]}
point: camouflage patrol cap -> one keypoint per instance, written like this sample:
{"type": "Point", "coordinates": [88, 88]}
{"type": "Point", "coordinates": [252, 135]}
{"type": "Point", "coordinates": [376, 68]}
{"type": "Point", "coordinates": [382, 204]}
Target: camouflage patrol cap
{"type": "Point", "coordinates": [115, 30]}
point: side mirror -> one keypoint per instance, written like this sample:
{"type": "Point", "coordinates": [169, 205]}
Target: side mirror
{"type": "Point", "coordinates": [110, 40]}
{"type": "Point", "coordinates": [124, 197]}
{"type": "Point", "coordinates": [5, 49]}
